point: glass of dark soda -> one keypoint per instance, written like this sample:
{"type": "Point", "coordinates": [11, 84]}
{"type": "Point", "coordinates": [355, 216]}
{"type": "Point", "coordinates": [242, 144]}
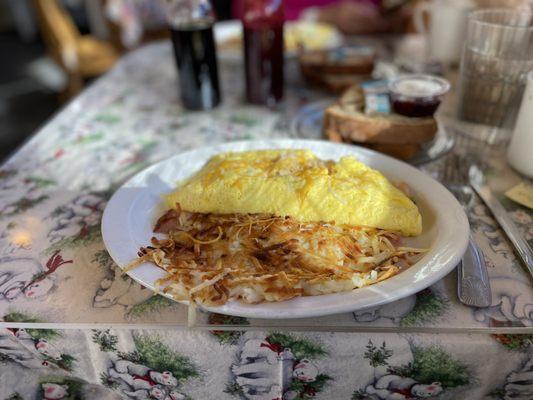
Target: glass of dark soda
{"type": "Point", "coordinates": [263, 50]}
{"type": "Point", "coordinates": [191, 27]}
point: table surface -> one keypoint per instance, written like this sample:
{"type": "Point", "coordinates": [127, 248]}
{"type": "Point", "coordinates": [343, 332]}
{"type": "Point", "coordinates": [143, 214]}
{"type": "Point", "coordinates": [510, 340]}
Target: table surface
{"type": "Point", "coordinates": [54, 270]}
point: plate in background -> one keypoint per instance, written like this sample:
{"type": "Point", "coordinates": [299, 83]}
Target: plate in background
{"type": "Point", "coordinates": [307, 124]}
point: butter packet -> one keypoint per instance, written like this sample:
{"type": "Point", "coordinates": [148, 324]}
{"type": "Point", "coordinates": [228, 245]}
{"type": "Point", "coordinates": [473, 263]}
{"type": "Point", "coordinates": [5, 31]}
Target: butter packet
{"type": "Point", "coordinates": [522, 194]}
{"type": "Point", "coordinates": [376, 97]}
{"type": "Point", "coordinates": [377, 103]}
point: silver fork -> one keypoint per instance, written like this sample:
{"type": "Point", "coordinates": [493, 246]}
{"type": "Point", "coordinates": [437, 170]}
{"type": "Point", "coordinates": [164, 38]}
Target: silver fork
{"type": "Point", "coordinates": [473, 286]}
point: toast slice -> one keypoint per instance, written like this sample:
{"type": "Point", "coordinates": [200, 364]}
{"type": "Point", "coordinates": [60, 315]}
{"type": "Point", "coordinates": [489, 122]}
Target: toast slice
{"type": "Point", "coordinates": [402, 151]}
{"type": "Point", "coordinates": [347, 119]}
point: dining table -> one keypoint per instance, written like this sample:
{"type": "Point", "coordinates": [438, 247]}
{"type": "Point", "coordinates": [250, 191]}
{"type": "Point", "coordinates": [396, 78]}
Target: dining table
{"type": "Point", "coordinates": [73, 326]}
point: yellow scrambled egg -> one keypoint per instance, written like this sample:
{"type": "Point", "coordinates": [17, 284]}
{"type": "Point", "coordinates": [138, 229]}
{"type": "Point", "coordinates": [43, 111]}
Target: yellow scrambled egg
{"type": "Point", "coordinates": [298, 184]}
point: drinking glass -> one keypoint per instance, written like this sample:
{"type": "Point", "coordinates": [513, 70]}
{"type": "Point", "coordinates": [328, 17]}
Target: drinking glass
{"type": "Point", "coordinates": [191, 28]}
{"type": "Point", "coordinates": [263, 50]}
{"type": "Point", "coordinates": [519, 151]}
{"type": "Point", "coordinates": [497, 55]}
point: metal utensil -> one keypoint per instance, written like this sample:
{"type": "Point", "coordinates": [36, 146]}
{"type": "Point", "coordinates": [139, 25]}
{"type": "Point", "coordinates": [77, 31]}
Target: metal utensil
{"type": "Point", "coordinates": [473, 285]}
{"type": "Point", "coordinates": [478, 182]}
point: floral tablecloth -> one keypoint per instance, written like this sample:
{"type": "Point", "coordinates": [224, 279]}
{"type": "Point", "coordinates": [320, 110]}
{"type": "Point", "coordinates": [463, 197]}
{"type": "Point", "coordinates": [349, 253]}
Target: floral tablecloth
{"type": "Point", "coordinates": [74, 327]}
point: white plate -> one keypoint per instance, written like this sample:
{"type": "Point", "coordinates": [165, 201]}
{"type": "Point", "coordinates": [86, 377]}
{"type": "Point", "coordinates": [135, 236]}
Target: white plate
{"type": "Point", "coordinates": [226, 30]}
{"type": "Point", "coordinates": [308, 122]}
{"type": "Point", "coordinates": [130, 215]}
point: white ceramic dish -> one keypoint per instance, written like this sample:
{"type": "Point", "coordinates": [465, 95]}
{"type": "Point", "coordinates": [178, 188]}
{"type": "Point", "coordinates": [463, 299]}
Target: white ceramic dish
{"type": "Point", "coordinates": [308, 122]}
{"type": "Point", "coordinates": [227, 30]}
{"type": "Point", "coordinates": [130, 215]}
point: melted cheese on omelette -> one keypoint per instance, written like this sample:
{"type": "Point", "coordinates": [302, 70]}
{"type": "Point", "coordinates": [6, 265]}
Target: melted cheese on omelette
{"type": "Point", "coordinates": [298, 184]}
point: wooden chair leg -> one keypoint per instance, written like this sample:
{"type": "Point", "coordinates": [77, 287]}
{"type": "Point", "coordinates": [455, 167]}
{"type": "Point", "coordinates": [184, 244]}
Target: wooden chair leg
{"type": "Point", "coordinates": [74, 86]}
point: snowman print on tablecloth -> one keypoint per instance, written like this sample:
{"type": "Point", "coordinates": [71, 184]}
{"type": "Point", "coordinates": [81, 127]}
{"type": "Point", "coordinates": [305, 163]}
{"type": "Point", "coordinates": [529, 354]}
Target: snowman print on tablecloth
{"type": "Point", "coordinates": [426, 306]}
{"type": "Point", "coordinates": [48, 353]}
{"type": "Point", "coordinates": [40, 344]}
{"type": "Point", "coordinates": [140, 382]}
{"type": "Point", "coordinates": [518, 384]}
{"type": "Point", "coordinates": [12, 350]}
{"type": "Point", "coordinates": [393, 312]}
{"type": "Point", "coordinates": [54, 391]}
{"type": "Point", "coordinates": [419, 379]}
{"type": "Point", "coordinates": [395, 387]}
{"type": "Point", "coordinates": [26, 277]}
{"type": "Point", "coordinates": [64, 389]}
{"type": "Point", "coordinates": [116, 288]}
{"type": "Point", "coordinates": [267, 369]}
{"type": "Point", "coordinates": [151, 371]}
{"type": "Point", "coordinates": [78, 220]}
{"type": "Point", "coordinates": [20, 192]}
{"type": "Point", "coordinates": [422, 378]}
{"type": "Point", "coordinates": [512, 304]}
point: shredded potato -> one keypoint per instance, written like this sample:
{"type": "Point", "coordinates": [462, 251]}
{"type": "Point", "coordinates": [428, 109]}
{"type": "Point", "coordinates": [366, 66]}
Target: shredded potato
{"type": "Point", "coordinates": [213, 258]}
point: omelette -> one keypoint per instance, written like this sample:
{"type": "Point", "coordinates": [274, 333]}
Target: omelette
{"type": "Point", "coordinates": [296, 183]}
{"type": "Point", "coordinates": [272, 225]}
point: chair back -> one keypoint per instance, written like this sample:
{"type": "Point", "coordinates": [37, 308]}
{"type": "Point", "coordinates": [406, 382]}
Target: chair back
{"type": "Point", "coordinates": [59, 32]}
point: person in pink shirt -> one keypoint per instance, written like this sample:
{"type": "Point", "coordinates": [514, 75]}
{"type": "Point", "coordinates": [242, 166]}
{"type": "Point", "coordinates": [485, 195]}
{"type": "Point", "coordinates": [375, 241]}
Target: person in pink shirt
{"type": "Point", "coordinates": [294, 8]}
{"type": "Point", "coordinates": [350, 16]}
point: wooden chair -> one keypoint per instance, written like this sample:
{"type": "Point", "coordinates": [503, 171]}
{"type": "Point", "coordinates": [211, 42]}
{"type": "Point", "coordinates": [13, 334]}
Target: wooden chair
{"type": "Point", "coordinates": [80, 56]}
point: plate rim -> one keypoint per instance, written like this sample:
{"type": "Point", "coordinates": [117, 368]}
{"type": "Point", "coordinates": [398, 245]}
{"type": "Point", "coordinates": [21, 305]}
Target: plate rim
{"type": "Point", "coordinates": [236, 308]}
{"type": "Point", "coordinates": [444, 131]}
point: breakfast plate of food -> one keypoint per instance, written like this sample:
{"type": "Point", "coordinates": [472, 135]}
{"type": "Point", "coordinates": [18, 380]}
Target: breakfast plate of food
{"type": "Point", "coordinates": [298, 36]}
{"type": "Point", "coordinates": [284, 228]}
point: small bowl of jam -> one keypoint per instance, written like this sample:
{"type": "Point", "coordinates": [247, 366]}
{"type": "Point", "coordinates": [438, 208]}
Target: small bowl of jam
{"type": "Point", "coordinates": [417, 95]}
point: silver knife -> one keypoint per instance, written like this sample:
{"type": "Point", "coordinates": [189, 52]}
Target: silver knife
{"type": "Point", "coordinates": [473, 287]}
{"type": "Point", "coordinates": [477, 180]}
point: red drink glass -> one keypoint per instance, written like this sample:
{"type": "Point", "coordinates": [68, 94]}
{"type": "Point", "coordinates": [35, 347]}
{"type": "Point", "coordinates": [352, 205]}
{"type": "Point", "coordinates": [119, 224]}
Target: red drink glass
{"type": "Point", "coordinates": [263, 50]}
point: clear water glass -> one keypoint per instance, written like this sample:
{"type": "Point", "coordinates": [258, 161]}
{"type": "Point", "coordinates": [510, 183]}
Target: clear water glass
{"type": "Point", "coordinates": [497, 55]}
